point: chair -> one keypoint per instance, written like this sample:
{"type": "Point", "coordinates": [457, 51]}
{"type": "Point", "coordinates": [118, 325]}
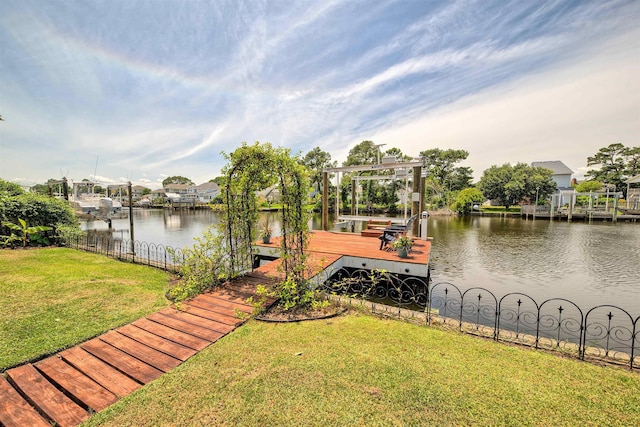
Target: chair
{"type": "Point", "coordinates": [391, 233]}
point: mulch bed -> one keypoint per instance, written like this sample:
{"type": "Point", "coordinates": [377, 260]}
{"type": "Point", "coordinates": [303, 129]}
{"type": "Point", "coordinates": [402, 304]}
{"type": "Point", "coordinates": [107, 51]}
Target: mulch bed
{"type": "Point", "coordinates": [276, 314]}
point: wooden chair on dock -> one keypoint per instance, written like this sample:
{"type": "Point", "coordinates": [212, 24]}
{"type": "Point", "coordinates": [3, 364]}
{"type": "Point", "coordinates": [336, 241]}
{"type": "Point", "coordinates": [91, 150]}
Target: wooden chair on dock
{"type": "Point", "coordinates": [393, 232]}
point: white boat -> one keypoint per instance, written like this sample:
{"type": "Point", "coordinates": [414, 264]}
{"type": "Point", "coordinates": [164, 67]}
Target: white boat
{"type": "Point", "coordinates": [96, 206]}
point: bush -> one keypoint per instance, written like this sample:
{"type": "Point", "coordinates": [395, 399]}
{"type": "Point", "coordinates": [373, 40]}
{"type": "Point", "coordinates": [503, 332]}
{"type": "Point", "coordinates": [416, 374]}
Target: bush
{"type": "Point", "coordinates": [466, 199]}
{"type": "Point", "coordinates": [36, 210]}
{"type": "Point", "coordinates": [10, 188]}
{"type": "Point", "coordinates": [202, 266]}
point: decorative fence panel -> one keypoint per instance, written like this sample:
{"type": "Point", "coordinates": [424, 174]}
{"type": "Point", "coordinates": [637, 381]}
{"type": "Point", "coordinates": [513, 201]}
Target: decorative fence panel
{"type": "Point", "coordinates": [605, 333]}
{"type": "Point", "coordinates": [151, 254]}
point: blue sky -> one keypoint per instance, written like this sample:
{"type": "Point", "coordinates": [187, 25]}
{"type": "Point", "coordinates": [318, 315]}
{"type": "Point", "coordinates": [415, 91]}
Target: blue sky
{"type": "Point", "coordinates": [148, 89]}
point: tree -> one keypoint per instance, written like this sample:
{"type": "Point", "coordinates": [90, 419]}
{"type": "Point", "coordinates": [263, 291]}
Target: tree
{"type": "Point", "coordinates": [365, 153]}
{"type": "Point", "coordinates": [317, 160]}
{"type": "Point", "coordinates": [617, 164]}
{"type": "Point", "coordinates": [176, 180]}
{"type": "Point", "coordinates": [466, 199]}
{"type": "Point", "coordinates": [397, 153]}
{"type": "Point", "coordinates": [509, 185]}
{"type": "Point", "coordinates": [587, 186]}
{"type": "Point", "coordinates": [443, 175]}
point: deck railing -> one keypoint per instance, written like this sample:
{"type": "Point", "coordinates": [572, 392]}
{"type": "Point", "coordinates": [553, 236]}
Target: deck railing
{"type": "Point", "coordinates": [605, 333]}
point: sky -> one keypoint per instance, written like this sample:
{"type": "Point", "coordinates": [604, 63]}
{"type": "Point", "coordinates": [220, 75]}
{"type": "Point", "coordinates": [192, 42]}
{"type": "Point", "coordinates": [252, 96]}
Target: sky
{"type": "Point", "coordinates": [133, 90]}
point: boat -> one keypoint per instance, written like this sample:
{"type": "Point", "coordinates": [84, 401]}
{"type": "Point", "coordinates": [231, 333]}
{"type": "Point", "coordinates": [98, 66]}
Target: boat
{"type": "Point", "coordinates": [92, 205]}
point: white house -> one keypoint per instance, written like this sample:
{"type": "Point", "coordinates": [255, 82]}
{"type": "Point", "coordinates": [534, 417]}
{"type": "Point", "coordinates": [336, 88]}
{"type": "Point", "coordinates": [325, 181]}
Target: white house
{"type": "Point", "coordinates": [137, 192]}
{"type": "Point", "coordinates": [205, 192]}
{"type": "Point", "coordinates": [562, 177]}
{"type": "Point", "coordinates": [561, 173]}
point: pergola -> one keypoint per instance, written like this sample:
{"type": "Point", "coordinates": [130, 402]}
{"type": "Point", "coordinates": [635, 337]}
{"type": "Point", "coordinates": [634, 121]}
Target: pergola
{"type": "Point", "coordinates": [401, 172]}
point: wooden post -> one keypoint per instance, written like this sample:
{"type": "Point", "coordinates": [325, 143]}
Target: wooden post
{"type": "Point", "coordinates": [354, 197]}
{"type": "Point", "coordinates": [415, 204]}
{"type": "Point", "coordinates": [571, 207]}
{"type": "Point", "coordinates": [131, 219]}
{"type": "Point", "coordinates": [65, 188]}
{"type": "Point", "coordinates": [325, 201]}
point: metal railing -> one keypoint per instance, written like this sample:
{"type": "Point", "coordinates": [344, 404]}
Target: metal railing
{"type": "Point", "coordinates": [605, 332]}
{"type": "Point", "coordinates": [135, 251]}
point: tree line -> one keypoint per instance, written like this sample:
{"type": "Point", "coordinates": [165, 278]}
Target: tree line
{"type": "Point", "coordinates": [447, 182]}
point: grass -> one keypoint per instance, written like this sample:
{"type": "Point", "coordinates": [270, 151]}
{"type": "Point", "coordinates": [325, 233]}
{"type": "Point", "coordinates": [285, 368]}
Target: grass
{"type": "Point", "coordinates": [53, 298]}
{"type": "Point", "coordinates": [361, 370]}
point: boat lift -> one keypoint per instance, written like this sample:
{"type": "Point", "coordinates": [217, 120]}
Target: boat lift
{"type": "Point", "coordinates": [401, 171]}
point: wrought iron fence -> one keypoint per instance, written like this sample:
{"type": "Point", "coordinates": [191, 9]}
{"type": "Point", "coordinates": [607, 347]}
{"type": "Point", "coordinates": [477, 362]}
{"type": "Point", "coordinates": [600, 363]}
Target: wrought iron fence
{"type": "Point", "coordinates": [139, 252]}
{"type": "Point", "coordinates": [605, 332]}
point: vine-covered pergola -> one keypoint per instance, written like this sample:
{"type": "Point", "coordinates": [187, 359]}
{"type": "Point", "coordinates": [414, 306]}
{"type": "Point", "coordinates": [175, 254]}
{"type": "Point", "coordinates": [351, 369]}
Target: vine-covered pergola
{"type": "Point", "coordinates": [253, 168]}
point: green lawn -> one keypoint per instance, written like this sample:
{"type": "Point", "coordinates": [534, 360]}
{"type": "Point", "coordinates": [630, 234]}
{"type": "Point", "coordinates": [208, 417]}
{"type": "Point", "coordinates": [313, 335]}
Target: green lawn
{"type": "Point", "coordinates": [364, 371]}
{"type": "Point", "coordinates": [54, 298]}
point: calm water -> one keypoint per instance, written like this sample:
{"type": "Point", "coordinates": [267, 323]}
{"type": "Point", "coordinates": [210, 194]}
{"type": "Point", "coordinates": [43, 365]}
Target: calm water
{"type": "Point", "coordinates": [589, 264]}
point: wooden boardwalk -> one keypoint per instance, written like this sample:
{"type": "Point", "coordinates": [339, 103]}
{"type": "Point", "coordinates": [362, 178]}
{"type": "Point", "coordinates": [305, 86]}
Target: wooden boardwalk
{"type": "Point", "coordinates": [67, 387]}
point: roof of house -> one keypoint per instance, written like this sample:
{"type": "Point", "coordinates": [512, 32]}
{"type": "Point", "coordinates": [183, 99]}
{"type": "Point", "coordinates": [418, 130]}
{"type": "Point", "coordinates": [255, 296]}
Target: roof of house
{"type": "Point", "coordinates": [207, 186]}
{"type": "Point", "coordinates": [556, 166]}
{"type": "Point", "coordinates": [633, 180]}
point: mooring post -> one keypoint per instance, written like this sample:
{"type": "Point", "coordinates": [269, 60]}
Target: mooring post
{"type": "Point", "coordinates": [325, 201]}
{"type": "Point", "coordinates": [65, 188]}
{"type": "Point", "coordinates": [415, 199]}
{"type": "Point", "coordinates": [129, 189]}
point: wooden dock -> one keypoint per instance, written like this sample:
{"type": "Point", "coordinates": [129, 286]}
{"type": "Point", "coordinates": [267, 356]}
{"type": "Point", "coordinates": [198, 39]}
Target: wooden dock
{"type": "Point", "coordinates": [355, 251]}
{"type": "Point", "coordinates": [67, 387]}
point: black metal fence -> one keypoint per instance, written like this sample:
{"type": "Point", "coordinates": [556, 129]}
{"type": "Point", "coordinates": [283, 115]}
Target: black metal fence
{"type": "Point", "coordinates": [606, 333]}
{"type": "Point", "coordinates": [151, 254]}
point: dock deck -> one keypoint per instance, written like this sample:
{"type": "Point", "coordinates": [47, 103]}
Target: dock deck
{"type": "Point", "coordinates": [354, 251]}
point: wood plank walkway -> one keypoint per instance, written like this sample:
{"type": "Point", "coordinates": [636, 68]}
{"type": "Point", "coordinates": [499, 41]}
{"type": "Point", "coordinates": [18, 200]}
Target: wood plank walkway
{"type": "Point", "coordinates": [67, 387]}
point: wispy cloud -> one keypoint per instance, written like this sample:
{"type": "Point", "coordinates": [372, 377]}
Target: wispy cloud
{"type": "Point", "coordinates": [161, 89]}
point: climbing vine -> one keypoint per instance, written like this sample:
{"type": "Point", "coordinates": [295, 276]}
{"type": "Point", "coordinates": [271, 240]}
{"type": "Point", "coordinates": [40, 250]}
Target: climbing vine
{"type": "Point", "coordinates": [252, 168]}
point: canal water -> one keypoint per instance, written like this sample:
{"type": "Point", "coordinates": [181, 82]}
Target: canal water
{"type": "Point", "coordinates": [589, 264]}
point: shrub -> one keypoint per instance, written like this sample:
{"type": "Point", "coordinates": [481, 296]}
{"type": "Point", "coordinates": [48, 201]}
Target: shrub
{"type": "Point", "coordinates": [466, 199]}
{"type": "Point", "coordinates": [35, 210]}
{"type": "Point", "coordinates": [26, 234]}
{"type": "Point", "coordinates": [10, 188]}
{"type": "Point", "coordinates": [202, 266]}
